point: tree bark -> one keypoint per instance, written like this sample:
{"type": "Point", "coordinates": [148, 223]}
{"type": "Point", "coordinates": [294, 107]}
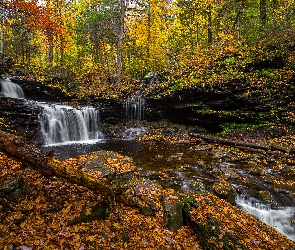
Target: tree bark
{"type": "Point", "coordinates": [2, 15]}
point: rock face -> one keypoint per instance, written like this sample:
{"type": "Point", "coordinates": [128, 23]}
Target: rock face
{"type": "Point", "coordinates": [236, 101]}
{"type": "Point", "coordinates": [22, 115]}
{"type": "Point", "coordinates": [39, 92]}
{"type": "Point", "coordinates": [19, 114]}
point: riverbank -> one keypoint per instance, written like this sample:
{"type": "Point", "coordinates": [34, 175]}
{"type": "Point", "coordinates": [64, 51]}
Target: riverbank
{"type": "Point", "coordinates": [39, 216]}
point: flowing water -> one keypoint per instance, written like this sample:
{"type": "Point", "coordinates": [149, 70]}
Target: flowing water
{"type": "Point", "coordinates": [71, 131]}
{"type": "Point", "coordinates": [280, 219]}
{"type": "Point", "coordinates": [135, 108]}
{"type": "Point", "coordinates": [62, 124]}
{"type": "Point", "coordinates": [11, 89]}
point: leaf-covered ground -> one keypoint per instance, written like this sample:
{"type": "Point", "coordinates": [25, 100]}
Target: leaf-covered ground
{"type": "Point", "coordinates": [39, 219]}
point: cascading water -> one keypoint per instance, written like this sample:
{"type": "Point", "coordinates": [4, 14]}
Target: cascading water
{"type": "Point", "coordinates": [135, 108]}
{"type": "Point", "coordinates": [134, 114]}
{"type": "Point", "coordinates": [280, 219]}
{"type": "Point", "coordinates": [61, 124]}
{"type": "Point", "coordinates": [11, 89]}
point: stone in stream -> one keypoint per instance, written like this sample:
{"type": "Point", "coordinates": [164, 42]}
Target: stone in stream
{"type": "Point", "coordinates": [172, 212]}
{"type": "Point", "coordinates": [225, 191]}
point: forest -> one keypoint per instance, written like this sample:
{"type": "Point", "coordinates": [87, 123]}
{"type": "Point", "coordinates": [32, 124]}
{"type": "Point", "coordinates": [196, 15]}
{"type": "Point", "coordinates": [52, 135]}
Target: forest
{"type": "Point", "coordinates": [191, 117]}
{"type": "Point", "coordinates": [92, 47]}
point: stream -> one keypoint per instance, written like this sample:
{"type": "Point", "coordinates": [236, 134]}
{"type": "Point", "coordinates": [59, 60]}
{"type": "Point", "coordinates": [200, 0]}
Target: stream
{"type": "Point", "coordinates": [71, 130]}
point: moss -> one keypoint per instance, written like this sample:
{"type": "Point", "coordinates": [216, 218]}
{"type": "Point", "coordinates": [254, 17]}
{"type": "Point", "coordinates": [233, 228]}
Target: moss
{"type": "Point", "coordinates": [122, 179]}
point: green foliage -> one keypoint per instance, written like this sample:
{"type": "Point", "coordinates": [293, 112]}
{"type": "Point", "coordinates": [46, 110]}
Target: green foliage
{"type": "Point", "coordinates": [227, 127]}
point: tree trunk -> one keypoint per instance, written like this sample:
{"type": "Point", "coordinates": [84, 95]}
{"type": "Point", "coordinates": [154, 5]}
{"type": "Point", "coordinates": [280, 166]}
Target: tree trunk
{"type": "Point", "coordinates": [218, 224]}
{"type": "Point", "coordinates": [263, 12]}
{"type": "Point", "coordinates": [209, 29]}
{"type": "Point", "coordinates": [49, 48]}
{"type": "Point", "coordinates": [2, 15]}
{"type": "Point", "coordinates": [120, 42]}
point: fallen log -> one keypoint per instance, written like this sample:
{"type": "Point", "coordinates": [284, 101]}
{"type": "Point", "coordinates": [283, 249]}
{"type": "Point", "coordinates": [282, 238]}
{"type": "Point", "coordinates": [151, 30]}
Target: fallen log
{"type": "Point", "coordinates": [243, 144]}
{"type": "Point", "coordinates": [217, 223]}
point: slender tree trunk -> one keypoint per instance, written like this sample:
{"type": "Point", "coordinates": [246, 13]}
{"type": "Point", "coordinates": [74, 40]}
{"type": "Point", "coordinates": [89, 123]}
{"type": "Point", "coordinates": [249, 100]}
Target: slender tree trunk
{"type": "Point", "coordinates": [2, 15]}
{"type": "Point", "coordinates": [263, 12]}
{"type": "Point", "coordinates": [120, 42]}
{"type": "Point", "coordinates": [237, 23]}
{"type": "Point", "coordinates": [149, 31]}
{"type": "Point", "coordinates": [49, 48]}
{"type": "Point", "coordinates": [210, 29]}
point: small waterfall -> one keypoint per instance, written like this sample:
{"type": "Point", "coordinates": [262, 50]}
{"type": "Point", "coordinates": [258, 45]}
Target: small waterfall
{"type": "Point", "coordinates": [135, 108]}
{"type": "Point", "coordinates": [134, 114]}
{"type": "Point", "coordinates": [61, 124]}
{"type": "Point", "coordinates": [280, 219]}
{"type": "Point", "coordinates": [11, 89]}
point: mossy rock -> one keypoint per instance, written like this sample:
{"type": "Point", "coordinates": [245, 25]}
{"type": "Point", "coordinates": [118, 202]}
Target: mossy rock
{"type": "Point", "coordinates": [13, 188]}
{"type": "Point", "coordinates": [98, 212]}
{"type": "Point", "coordinates": [225, 191]}
{"type": "Point", "coordinates": [173, 219]}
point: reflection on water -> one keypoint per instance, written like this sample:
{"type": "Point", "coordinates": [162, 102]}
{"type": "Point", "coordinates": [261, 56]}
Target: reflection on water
{"type": "Point", "coordinates": [146, 155]}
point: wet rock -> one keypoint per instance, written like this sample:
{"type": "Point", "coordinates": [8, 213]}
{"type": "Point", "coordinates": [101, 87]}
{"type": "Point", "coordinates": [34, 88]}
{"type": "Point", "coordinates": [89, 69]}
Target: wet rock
{"type": "Point", "coordinates": [202, 149]}
{"type": "Point", "coordinates": [198, 188]}
{"type": "Point", "coordinates": [218, 154]}
{"type": "Point", "coordinates": [20, 115]}
{"type": "Point", "coordinates": [265, 196]}
{"type": "Point", "coordinates": [102, 161]}
{"type": "Point", "coordinates": [170, 240]}
{"type": "Point", "coordinates": [152, 175]}
{"type": "Point", "coordinates": [225, 191]}
{"type": "Point", "coordinates": [146, 191]}
{"type": "Point", "coordinates": [172, 212]}
{"type": "Point", "coordinates": [229, 173]}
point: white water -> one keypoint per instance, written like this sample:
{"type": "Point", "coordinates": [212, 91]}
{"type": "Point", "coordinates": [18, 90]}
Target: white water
{"type": "Point", "coordinates": [134, 114]}
{"type": "Point", "coordinates": [280, 219]}
{"type": "Point", "coordinates": [131, 133]}
{"type": "Point", "coordinates": [135, 108]}
{"type": "Point", "coordinates": [62, 124]}
{"type": "Point", "coordinates": [11, 89]}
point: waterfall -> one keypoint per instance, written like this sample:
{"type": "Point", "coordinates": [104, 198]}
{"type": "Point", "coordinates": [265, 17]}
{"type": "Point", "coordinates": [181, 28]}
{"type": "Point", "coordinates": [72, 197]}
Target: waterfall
{"type": "Point", "coordinates": [11, 89]}
{"type": "Point", "coordinates": [61, 124]}
{"type": "Point", "coordinates": [135, 108]}
{"type": "Point", "coordinates": [280, 219]}
{"type": "Point", "coordinates": [134, 114]}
